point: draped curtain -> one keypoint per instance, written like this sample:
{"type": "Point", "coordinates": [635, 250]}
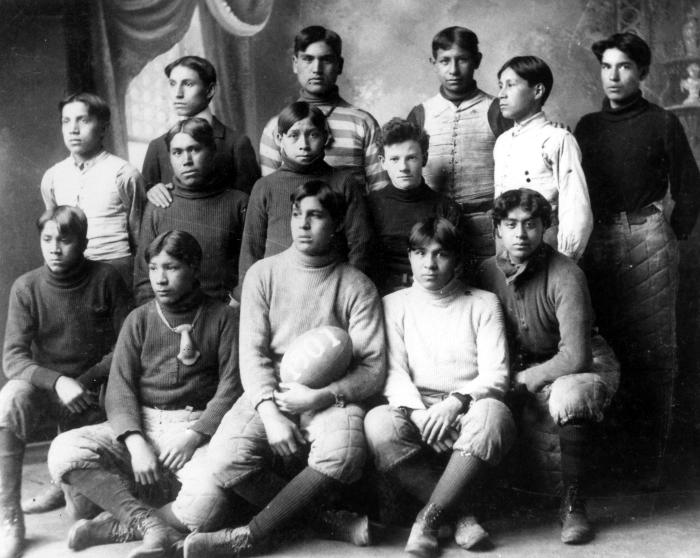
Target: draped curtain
{"type": "Point", "coordinates": [127, 34]}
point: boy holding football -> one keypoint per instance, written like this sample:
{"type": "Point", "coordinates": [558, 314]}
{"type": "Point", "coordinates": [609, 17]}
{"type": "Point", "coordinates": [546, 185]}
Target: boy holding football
{"type": "Point", "coordinates": [285, 295]}
{"type": "Point", "coordinates": [447, 375]}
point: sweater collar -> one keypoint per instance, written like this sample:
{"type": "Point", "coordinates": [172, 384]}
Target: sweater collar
{"type": "Point", "coordinates": [317, 166]}
{"type": "Point", "coordinates": [444, 296]}
{"type": "Point", "coordinates": [634, 106]}
{"type": "Point", "coordinates": [413, 194]}
{"type": "Point", "coordinates": [186, 305]}
{"type": "Point", "coordinates": [516, 273]}
{"type": "Point", "coordinates": [73, 278]}
{"type": "Point", "coordinates": [210, 188]}
{"type": "Point", "coordinates": [312, 262]}
{"type": "Point", "coordinates": [331, 98]}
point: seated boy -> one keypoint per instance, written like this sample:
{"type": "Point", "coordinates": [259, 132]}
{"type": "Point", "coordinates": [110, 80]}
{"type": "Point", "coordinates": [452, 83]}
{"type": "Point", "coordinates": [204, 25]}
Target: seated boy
{"type": "Point", "coordinates": [203, 205]}
{"type": "Point", "coordinates": [539, 155]}
{"type": "Point", "coordinates": [62, 323]}
{"type": "Point", "coordinates": [108, 189]}
{"type": "Point", "coordinates": [302, 134]}
{"type": "Point", "coordinates": [446, 379]}
{"type": "Point", "coordinates": [304, 287]}
{"type": "Point", "coordinates": [407, 199]}
{"type": "Point", "coordinates": [174, 374]}
{"type": "Point", "coordinates": [557, 363]}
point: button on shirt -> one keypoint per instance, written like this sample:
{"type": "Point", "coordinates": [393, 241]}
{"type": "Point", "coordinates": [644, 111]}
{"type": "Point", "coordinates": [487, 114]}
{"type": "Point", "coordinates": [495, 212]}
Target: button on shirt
{"type": "Point", "coordinates": [536, 154]}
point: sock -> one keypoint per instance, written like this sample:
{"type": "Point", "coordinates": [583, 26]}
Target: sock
{"type": "Point", "coordinates": [294, 498]}
{"type": "Point", "coordinates": [260, 488]}
{"type": "Point", "coordinates": [417, 477]}
{"type": "Point", "coordinates": [461, 470]}
{"type": "Point", "coordinates": [574, 440]}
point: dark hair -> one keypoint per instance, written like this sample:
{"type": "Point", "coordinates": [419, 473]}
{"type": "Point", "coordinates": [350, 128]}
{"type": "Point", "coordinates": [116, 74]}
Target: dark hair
{"type": "Point", "coordinates": [460, 36]}
{"type": "Point", "coordinates": [436, 229]}
{"type": "Point", "coordinates": [178, 244]}
{"type": "Point", "coordinates": [532, 69]}
{"type": "Point", "coordinates": [316, 33]}
{"type": "Point", "coordinates": [70, 221]}
{"type": "Point", "coordinates": [200, 130]}
{"type": "Point", "coordinates": [95, 104]}
{"type": "Point", "coordinates": [527, 200]}
{"type": "Point", "coordinates": [291, 114]}
{"type": "Point", "coordinates": [398, 130]}
{"type": "Point", "coordinates": [629, 43]}
{"type": "Point", "coordinates": [330, 200]}
{"type": "Point", "coordinates": [202, 66]}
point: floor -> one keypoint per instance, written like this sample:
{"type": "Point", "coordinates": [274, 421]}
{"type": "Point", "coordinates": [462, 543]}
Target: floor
{"type": "Point", "coordinates": [629, 523]}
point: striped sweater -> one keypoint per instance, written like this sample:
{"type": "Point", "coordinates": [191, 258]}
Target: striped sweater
{"type": "Point", "coordinates": [146, 372]}
{"type": "Point", "coordinates": [355, 133]}
{"type": "Point", "coordinates": [446, 341]}
{"type": "Point", "coordinates": [290, 293]}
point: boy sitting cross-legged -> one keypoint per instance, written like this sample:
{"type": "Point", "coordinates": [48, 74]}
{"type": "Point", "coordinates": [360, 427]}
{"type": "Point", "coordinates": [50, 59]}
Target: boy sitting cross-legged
{"type": "Point", "coordinates": [173, 376]}
{"type": "Point", "coordinates": [447, 375]}
{"type": "Point", "coordinates": [285, 295]}
{"type": "Point", "coordinates": [559, 365]}
{"type": "Point", "coordinates": [62, 322]}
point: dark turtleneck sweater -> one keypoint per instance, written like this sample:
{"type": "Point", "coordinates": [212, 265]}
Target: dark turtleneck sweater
{"type": "Point", "coordinates": [267, 228]}
{"type": "Point", "coordinates": [146, 372]}
{"type": "Point", "coordinates": [212, 214]}
{"type": "Point", "coordinates": [394, 212]}
{"type": "Point", "coordinates": [632, 155]}
{"type": "Point", "coordinates": [64, 324]}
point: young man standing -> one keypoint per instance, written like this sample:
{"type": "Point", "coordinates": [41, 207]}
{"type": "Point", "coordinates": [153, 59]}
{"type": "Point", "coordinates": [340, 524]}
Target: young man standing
{"type": "Point", "coordinates": [463, 123]}
{"type": "Point", "coordinates": [634, 153]}
{"type": "Point", "coordinates": [107, 188]}
{"type": "Point", "coordinates": [558, 366]}
{"type": "Point", "coordinates": [539, 155]}
{"type": "Point", "coordinates": [304, 287]}
{"type": "Point", "coordinates": [446, 379]}
{"type": "Point", "coordinates": [62, 322]}
{"type": "Point", "coordinates": [192, 84]}
{"type": "Point", "coordinates": [317, 63]}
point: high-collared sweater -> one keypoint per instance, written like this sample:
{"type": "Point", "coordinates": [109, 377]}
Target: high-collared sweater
{"type": "Point", "coordinates": [267, 227]}
{"type": "Point", "coordinates": [632, 155]}
{"type": "Point", "coordinates": [547, 309]}
{"type": "Point", "coordinates": [536, 154]}
{"type": "Point", "coordinates": [354, 140]}
{"type": "Point", "coordinates": [215, 217]}
{"type": "Point", "coordinates": [394, 212]}
{"type": "Point", "coordinates": [452, 340]}
{"type": "Point", "coordinates": [234, 161]}
{"type": "Point", "coordinates": [64, 324]}
{"type": "Point", "coordinates": [290, 293]}
{"type": "Point", "coordinates": [111, 193]}
{"type": "Point", "coordinates": [146, 372]}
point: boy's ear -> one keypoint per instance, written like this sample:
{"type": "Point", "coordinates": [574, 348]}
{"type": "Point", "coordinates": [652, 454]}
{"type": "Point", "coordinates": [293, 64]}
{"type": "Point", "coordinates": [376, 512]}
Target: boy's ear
{"type": "Point", "coordinates": [643, 72]}
{"type": "Point", "coordinates": [211, 91]}
{"type": "Point", "coordinates": [539, 91]}
{"type": "Point", "coordinates": [382, 160]}
{"type": "Point", "coordinates": [477, 60]}
{"type": "Point", "coordinates": [341, 63]}
{"type": "Point", "coordinates": [496, 231]}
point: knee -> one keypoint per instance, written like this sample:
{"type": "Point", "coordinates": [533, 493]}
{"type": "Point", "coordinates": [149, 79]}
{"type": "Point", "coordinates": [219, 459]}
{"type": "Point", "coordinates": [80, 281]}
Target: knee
{"type": "Point", "coordinates": [235, 458]}
{"type": "Point", "coordinates": [70, 450]}
{"type": "Point", "coordinates": [579, 397]}
{"type": "Point", "coordinates": [201, 504]}
{"type": "Point", "coordinates": [379, 429]}
{"type": "Point", "coordinates": [487, 431]}
{"type": "Point", "coordinates": [16, 407]}
{"type": "Point", "coordinates": [339, 450]}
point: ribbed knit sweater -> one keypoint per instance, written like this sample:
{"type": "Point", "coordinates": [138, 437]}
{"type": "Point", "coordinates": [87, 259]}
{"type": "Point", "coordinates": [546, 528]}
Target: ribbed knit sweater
{"type": "Point", "coordinates": [547, 309]}
{"type": "Point", "coordinates": [632, 155]}
{"type": "Point", "coordinates": [394, 212]}
{"type": "Point", "coordinates": [267, 228]}
{"type": "Point", "coordinates": [146, 372]}
{"type": "Point", "coordinates": [452, 340]}
{"type": "Point", "coordinates": [215, 217]}
{"type": "Point", "coordinates": [64, 325]}
{"type": "Point", "coordinates": [290, 293]}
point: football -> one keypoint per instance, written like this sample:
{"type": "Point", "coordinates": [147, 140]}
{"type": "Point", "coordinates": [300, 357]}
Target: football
{"type": "Point", "coordinates": [317, 357]}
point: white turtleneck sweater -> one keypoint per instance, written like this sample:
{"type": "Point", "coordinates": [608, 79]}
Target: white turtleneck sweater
{"type": "Point", "coordinates": [452, 340]}
{"type": "Point", "coordinates": [290, 293]}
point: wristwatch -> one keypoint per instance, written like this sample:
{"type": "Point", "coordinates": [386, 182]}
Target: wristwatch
{"type": "Point", "coordinates": [339, 400]}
